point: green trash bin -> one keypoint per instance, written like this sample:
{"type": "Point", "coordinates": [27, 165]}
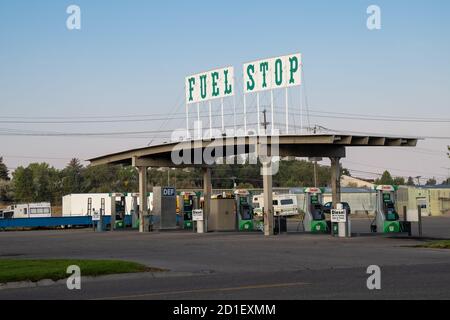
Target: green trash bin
{"type": "Point", "coordinates": [246, 225]}
{"type": "Point", "coordinates": [335, 228]}
{"type": "Point", "coordinates": [119, 224]}
{"type": "Point", "coordinates": [188, 224]}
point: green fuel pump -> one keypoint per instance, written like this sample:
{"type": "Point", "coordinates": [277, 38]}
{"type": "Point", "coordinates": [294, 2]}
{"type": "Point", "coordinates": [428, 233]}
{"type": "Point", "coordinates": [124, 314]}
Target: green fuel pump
{"type": "Point", "coordinates": [244, 210]}
{"type": "Point", "coordinates": [187, 203]}
{"type": "Point", "coordinates": [118, 210]}
{"type": "Point", "coordinates": [314, 220]}
{"type": "Point", "coordinates": [387, 218]}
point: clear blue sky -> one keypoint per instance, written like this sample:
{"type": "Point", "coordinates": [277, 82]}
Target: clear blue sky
{"type": "Point", "coordinates": [131, 57]}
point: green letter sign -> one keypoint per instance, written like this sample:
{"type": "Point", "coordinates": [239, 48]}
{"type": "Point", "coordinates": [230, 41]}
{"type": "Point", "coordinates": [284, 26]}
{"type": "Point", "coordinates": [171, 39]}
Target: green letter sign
{"type": "Point", "coordinates": [210, 85]}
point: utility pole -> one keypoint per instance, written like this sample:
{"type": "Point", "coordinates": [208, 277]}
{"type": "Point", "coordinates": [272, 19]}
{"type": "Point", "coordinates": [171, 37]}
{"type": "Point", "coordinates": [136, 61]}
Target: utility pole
{"type": "Point", "coordinates": [315, 173]}
{"type": "Point", "coordinates": [418, 180]}
{"type": "Point", "coordinates": [265, 123]}
{"type": "Point", "coordinates": [314, 160]}
{"type": "Point", "coordinates": [448, 175]}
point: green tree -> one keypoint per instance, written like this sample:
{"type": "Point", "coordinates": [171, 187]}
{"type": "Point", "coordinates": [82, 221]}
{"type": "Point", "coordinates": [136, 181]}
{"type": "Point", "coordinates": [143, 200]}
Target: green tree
{"type": "Point", "coordinates": [386, 178]}
{"type": "Point", "coordinates": [345, 172]}
{"type": "Point", "coordinates": [245, 186]}
{"type": "Point", "coordinates": [101, 179]}
{"type": "Point", "coordinates": [431, 182]}
{"type": "Point", "coordinates": [22, 185]}
{"type": "Point", "coordinates": [410, 181]}
{"type": "Point", "coordinates": [4, 175]}
{"type": "Point", "coordinates": [37, 182]}
{"type": "Point", "coordinates": [72, 179]}
{"type": "Point", "coordinates": [127, 179]}
{"type": "Point", "coordinates": [399, 181]}
{"type": "Point", "coordinates": [6, 192]}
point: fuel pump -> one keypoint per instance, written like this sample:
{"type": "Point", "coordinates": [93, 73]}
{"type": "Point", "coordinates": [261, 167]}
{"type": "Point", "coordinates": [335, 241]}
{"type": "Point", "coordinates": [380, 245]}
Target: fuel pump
{"type": "Point", "coordinates": [314, 220]}
{"type": "Point", "coordinates": [244, 210]}
{"type": "Point", "coordinates": [387, 218]}
{"type": "Point", "coordinates": [134, 210]}
{"type": "Point", "coordinates": [187, 205]}
{"type": "Point", "coordinates": [117, 210]}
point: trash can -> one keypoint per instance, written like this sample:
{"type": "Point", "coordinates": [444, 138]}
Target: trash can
{"type": "Point", "coordinates": [119, 224]}
{"type": "Point", "coordinates": [100, 226]}
{"type": "Point", "coordinates": [333, 228]}
{"type": "Point", "coordinates": [246, 225]}
{"type": "Point", "coordinates": [148, 225]}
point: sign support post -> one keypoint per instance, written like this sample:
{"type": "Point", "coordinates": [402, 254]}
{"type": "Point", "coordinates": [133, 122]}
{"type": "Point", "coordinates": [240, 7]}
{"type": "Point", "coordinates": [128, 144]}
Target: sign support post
{"type": "Point", "coordinates": [287, 109]}
{"type": "Point", "coordinates": [199, 135]}
{"type": "Point", "coordinates": [245, 114]}
{"type": "Point", "coordinates": [301, 110]}
{"type": "Point", "coordinates": [187, 122]}
{"type": "Point", "coordinates": [271, 113]}
{"type": "Point", "coordinates": [257, 111]}
{"type": "Point", "coordinates": [210, 120]}
{"type": "Point", "coordinates": [234, 114]}
{"type": "Point", "coordinates": [221, 110]}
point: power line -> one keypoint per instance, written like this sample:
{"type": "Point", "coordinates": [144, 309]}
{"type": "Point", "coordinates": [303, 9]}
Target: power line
{"type": "Point", "coordinates": [11, 132]}
{"type": "Point", "coordinates": [392, 169]}
{"type": "Point", "coordinates": [163, 116]}
{"type": "Point", "coordinates": [34, 157]}
{"type": "Point", "coordinates": [350, 116]}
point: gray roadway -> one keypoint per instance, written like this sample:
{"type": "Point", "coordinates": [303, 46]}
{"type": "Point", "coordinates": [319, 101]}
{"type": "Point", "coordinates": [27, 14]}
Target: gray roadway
{"type": "Point", "coordinates": [247, 266]}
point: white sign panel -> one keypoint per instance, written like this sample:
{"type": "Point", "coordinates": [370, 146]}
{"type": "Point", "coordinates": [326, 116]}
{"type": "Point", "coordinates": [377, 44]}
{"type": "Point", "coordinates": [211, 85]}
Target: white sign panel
{"type": "Point", "coordinates": [197, 215]}
{"type": "Point", "coordinates": [95, 216]}
{"type": "Point", "coordinates": [210, 85]}
{"type": "Point", "coordinates": [338, 215]}
{"type": "Point", "coordinates": [272, 73]}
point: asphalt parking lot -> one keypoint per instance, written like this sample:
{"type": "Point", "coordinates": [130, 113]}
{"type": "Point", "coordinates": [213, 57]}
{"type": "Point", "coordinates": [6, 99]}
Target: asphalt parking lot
{"type": "Point", "coordinates": [243, 265]}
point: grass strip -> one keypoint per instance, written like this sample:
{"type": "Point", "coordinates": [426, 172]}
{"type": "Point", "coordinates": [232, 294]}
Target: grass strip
{"type": "Point", "coordinates": [12, 270]}
{"type": "Point", "coordinates": [439, 244]}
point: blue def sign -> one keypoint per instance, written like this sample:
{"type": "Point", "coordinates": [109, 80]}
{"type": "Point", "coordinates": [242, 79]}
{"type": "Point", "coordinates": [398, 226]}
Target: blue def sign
{"type": "Point", "coordinates": [168, 192]}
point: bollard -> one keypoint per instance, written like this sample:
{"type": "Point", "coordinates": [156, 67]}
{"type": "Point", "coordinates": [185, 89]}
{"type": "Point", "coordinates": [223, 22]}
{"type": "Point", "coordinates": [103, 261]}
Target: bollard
{"type": "Point", "coordinates": [200, 227]}
{"type": "Point", "coordinates": [419, 212]}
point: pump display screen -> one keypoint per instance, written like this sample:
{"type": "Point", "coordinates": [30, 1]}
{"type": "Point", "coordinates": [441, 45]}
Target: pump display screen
{"type": "Point", "coordinates": [386, 197]}
{"type": "Point", "coordinates": [314, 199]}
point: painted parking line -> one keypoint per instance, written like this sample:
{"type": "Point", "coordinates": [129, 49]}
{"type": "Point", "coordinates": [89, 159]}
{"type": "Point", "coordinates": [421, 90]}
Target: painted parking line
{"type": "Point", "coordinates": [249, 287]}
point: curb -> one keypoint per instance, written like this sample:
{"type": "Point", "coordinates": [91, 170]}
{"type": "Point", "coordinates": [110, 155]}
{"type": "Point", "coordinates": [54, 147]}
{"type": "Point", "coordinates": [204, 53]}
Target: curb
{"type": "Point", "coordinates": [88, 279]}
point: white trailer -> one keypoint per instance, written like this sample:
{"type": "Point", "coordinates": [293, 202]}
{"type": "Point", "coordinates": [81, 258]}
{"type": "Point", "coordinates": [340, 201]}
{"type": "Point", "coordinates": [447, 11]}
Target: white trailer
{"type": "Point", "coordinates": [28, 210]}
{"type": "Point", "coordinates": [283, 204]}
{"type": "Point", "coordinates": [84, 204]}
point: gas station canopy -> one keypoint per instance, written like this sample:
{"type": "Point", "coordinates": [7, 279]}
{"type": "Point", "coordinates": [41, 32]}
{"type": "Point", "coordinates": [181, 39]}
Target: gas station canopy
{"type": "Point", "coordinates": [318, 145]}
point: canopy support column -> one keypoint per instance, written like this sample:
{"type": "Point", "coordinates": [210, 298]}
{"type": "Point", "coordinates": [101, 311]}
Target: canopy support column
{"type": "Point", "coordinates": [143, 212]}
